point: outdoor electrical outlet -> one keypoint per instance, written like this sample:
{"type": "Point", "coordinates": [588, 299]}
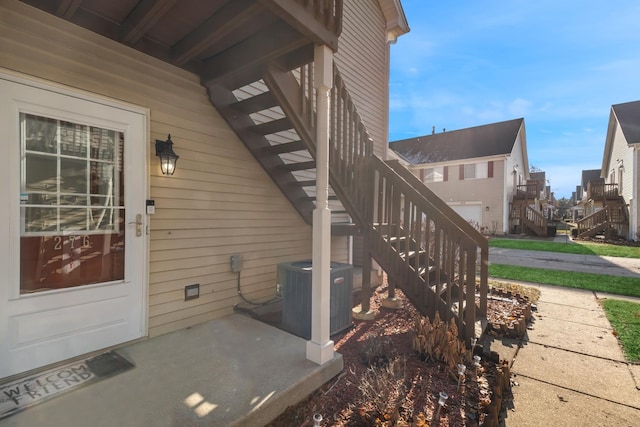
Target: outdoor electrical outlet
{"type": "Point", "coordinates": [236, 263]}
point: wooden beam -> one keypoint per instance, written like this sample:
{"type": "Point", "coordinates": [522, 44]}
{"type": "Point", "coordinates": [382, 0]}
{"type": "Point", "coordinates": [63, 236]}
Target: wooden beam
{"type": "Point", "coordinates": [67, 8]}
{"type": "Point", "coordinates": [230, 18]}
{"type": "Point", "coordinates": [303, 21]}
{"type": "Point", "coordinates": [144, 17]}
{"type": "Point", "coordinates": [265, 46]}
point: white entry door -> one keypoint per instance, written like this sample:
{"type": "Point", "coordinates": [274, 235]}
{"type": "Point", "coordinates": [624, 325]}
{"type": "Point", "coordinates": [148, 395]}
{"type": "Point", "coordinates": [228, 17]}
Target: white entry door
{"type": "Point", "coordinates": [73, 251]}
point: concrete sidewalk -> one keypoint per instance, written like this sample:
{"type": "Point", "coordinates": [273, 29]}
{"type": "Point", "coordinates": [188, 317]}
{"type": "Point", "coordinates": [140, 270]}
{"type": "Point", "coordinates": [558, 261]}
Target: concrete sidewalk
{"type": "Point", "coordinates": [570, 370]}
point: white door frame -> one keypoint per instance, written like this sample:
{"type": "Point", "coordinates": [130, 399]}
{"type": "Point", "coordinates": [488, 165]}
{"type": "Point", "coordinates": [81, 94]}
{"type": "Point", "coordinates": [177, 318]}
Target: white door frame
{"type": "Point", "coordinates": [9, 230]}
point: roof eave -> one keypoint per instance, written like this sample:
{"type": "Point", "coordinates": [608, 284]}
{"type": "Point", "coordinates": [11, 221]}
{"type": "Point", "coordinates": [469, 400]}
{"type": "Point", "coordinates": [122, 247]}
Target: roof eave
{"type": "Point", "coordinates": [397, 24]}
{"type": "Point", "coordinates": [608, 143]}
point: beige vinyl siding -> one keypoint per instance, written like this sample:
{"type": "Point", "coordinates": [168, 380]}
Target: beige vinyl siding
{"type": "Point", "coordinates": [622, 151]}
{"type": "Point", "coordinates": [362, 61]}
{"type": "Point", "coordinates": [220, 202]}
{"type": "Point", "coordinates": [634, 202]}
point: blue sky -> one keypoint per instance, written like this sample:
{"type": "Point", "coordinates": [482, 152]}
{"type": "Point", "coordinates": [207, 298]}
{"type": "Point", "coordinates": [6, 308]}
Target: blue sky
{"type": "Point", "coordinates": [559, 64]}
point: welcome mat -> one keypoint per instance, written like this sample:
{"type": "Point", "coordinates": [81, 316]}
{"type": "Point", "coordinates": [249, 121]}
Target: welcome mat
{"type": "Point", "coordinates": [21, 394]}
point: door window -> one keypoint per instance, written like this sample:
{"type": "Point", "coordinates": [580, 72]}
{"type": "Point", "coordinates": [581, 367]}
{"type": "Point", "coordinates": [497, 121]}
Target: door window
{"type": "Point", "coordinates": [71, 204]}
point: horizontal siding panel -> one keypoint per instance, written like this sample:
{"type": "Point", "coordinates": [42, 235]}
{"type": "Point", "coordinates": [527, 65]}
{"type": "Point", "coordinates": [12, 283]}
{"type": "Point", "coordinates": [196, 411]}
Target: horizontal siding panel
{"type": "Point", "coordinates": [192, 256]}
{"type": "Point", "coordinates": [362, 60]}
{"type": "Point", "coordinates": [181, 244]}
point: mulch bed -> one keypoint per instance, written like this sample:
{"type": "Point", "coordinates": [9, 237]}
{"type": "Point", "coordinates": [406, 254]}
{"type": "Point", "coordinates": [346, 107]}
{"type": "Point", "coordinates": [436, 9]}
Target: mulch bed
{"type": "Point", "coordinates": [402, 400]}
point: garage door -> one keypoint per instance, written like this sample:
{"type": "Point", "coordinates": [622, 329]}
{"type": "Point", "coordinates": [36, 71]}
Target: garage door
{"type": "Point", "coordinates": [472, 213]}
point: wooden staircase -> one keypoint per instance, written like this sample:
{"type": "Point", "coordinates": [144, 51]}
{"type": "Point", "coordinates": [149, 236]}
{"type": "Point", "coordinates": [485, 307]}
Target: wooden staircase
{"type": "Point", "coordinates": [427, 250]}
{"type": "Point", "coordinates": [534, 220]}
{"type": "Point", "coordinates": [610, 221]}
{"type": "Point", "coordinates": [531, 220]}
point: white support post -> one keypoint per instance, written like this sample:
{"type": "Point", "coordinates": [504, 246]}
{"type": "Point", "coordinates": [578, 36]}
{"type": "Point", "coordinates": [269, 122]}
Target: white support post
{"type": "Point", "coordinates": [320, 347]}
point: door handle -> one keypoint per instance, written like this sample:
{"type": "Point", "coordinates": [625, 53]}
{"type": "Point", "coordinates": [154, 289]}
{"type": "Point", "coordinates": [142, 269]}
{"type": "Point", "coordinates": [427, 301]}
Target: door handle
{"type": "Point", "coordinates": [138, 223]}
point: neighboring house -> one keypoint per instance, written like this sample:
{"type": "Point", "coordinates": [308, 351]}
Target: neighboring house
{"type": "Point", "coordinates": [621, 165]}
{"type": "Point", "coordinates": [590, 178]}
{"type": "Point", "coordinates": [476, 170]}
{"type": "Point", "coordinates": [604, 209]}
{"type": "Point", "coordinates": [100, 247]}
{"type": "Point", "coordinates": [541, 178]}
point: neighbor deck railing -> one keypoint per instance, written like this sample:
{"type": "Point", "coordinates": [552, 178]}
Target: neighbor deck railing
{"type": "Point", "coordinates": [598, 190]}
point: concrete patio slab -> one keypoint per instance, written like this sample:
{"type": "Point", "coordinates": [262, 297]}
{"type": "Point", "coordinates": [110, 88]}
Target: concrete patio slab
{"type": "Point", "coordinates": [232, 371]}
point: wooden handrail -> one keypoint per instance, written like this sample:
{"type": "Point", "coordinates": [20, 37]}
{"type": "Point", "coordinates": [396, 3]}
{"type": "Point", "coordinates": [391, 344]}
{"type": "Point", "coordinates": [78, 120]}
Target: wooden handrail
{"type": "Point", "coordinates": [450, 255]}
{"type": "Point", "coordinates": [422, 244]}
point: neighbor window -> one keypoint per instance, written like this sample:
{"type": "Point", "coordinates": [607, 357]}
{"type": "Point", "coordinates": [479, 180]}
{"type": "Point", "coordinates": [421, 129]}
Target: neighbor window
{"type": "Point", "coordinates": [434, 174]}
{"type": "Point", "coordinates": [478, 170]}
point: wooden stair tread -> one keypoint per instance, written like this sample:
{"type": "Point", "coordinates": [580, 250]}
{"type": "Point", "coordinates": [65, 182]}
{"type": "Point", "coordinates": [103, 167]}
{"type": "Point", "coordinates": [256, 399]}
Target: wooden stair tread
{"type": "Point", "coordinates": [274, 126]}
{"type": "Point", "coordinates": [299, 166]}
{"type": "Point", "coordinates": [255, 103]}
{"type": "Point", "coordinates": [287, 147]}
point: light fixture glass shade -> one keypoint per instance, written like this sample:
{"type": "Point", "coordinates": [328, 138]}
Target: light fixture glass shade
{"type": "Point", "coordinates": [168, 159]}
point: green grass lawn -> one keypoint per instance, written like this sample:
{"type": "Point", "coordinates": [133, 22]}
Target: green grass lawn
{"type": "Point", "coordinates": [625, 319]}
{"type": "Point", "coordinates": [594, 282]}
{"type": "Point", "coordinates": [581, 248]}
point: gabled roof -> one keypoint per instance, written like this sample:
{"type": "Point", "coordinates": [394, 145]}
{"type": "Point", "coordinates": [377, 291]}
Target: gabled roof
{"type": "Point", "coordinates": [628, 115]}
{"type": "Point", "coordinates": [480, 141]}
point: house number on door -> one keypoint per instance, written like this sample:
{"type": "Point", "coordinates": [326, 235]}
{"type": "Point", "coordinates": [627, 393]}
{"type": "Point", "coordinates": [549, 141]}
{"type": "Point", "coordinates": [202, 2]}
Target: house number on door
{"type": "Point", "coordinates": [59, 242]}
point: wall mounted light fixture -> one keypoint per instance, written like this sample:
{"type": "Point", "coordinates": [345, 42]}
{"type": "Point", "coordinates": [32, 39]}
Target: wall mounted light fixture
{"type": "Point", "coordinates": [168, 159]}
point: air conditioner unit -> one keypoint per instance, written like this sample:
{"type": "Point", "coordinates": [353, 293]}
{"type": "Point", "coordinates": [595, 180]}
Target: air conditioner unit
{"type": "Point", "coordinates": [294, 284]}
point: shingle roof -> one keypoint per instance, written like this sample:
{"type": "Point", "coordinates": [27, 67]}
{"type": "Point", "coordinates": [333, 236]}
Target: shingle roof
{"type": "Point", "coordinates": [590, 175]}
{"type": "Point", "coordinates": [480, 141]}
{"type": "Point", "coordinates": [628, 115]}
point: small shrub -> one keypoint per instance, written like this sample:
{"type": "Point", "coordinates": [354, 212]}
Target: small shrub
{"type": "Point", "coordinates": [383, 387]}
{"type": "Point", "coordinates": [376, 350]}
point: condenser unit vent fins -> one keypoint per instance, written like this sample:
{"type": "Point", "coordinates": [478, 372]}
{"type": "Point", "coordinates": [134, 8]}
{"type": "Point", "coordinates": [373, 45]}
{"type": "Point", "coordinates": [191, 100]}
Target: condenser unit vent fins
{"type": "Point", "coordinates": [294, 281]}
